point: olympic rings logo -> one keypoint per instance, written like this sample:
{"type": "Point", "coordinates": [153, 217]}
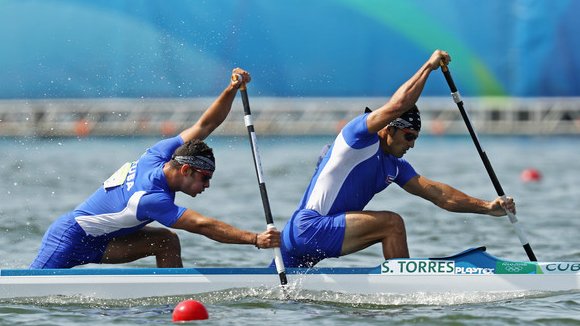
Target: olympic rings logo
{"type": "Point", "coordinates": [513, 268]}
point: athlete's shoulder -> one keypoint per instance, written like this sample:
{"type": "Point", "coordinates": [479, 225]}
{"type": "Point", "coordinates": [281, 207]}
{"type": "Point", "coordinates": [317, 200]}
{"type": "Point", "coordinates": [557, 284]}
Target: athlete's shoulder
{"type": "Point", "coordinates": [356, 133]}
{"type": "Point", "coordinates": [165, 148]}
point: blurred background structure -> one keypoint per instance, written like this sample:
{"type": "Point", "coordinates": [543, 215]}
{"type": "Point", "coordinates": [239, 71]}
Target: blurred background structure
{"type": "Point", "coordinates": [109, 67]}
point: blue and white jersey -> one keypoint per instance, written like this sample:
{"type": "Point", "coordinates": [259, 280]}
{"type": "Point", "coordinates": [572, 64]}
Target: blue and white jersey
{"type": "Point", "coordinates": [134, 196]}
{"type": "Point", "coordinates": [352, 171]}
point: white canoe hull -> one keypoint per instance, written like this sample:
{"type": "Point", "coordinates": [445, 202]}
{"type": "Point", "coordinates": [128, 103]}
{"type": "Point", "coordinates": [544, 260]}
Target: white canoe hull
{"type": "Point", "coordinates": [456, 274]}
{"type": "Point", "coordinates": [124, 286]}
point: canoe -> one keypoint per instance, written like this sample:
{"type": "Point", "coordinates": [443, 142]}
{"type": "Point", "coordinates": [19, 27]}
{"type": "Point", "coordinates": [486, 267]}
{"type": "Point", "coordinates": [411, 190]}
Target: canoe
{"type": "Point", "coordinates": [473, 270]}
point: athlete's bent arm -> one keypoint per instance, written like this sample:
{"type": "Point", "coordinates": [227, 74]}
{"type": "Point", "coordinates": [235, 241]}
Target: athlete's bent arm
{"type": "Point", "coordinates": [195, 222]}
{"type": "Point", "coordinates": [407, 94]}
{"type": "Point", "coordinates": [217, 111]}
{"type": "Point", "coordinates": [453, 200]}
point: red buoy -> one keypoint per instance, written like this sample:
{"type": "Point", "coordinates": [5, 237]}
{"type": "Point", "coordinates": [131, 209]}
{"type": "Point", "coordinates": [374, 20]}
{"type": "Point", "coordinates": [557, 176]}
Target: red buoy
{"type": "Point", "coordinates": [189, 310]}
{"type": "Point", "coordinates": [531, 175]}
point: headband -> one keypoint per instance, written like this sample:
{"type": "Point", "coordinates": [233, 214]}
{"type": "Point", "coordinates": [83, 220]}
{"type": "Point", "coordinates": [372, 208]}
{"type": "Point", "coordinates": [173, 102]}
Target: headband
{"type": "Point", "coordinates": [408, 120]}
{"type": "Point", "coordinates": [197, 161]}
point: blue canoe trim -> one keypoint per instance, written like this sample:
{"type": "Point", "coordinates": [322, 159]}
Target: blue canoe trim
{"type": "Point", "coordinates": [185, 271]}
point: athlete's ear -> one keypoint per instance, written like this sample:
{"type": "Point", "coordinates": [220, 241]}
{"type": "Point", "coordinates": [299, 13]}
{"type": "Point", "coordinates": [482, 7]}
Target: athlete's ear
{"type": "Point", "coordinates": [184, 168]}
{"type": "Point", "coordinates": [388, 130]}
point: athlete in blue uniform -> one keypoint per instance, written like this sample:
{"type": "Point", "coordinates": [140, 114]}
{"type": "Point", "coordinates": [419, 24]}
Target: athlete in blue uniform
{"type": "Point", "coordinates": [364, 159]}
{"type": "Point", "coordinates": [111, 225]}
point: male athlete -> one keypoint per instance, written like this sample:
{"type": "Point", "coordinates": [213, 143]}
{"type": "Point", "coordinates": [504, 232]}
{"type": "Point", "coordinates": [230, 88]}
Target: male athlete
{"type": "Point", "coordinates": [110, 227]}
{"type": "Point", "coordinates": [364, 159]}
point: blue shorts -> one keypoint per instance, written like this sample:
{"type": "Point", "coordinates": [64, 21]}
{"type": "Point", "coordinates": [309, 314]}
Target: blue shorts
{"type": "Point", "coordinates": [310, 237]}
{"type": "Point", "coordinates": [66, 245]}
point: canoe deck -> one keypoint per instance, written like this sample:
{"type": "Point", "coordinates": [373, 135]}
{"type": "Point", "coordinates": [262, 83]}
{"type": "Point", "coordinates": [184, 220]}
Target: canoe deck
{"type": "Point", "coordinates": [473, 270]}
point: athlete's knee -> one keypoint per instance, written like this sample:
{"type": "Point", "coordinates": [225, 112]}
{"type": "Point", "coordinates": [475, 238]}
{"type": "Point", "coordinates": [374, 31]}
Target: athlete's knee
{"type": "Point", "coordinates": [172, 240]}
{"type": "Point", "coordinates": [394, 223]}
{"type": "Point", "coordinates": [166, 248]}
{"type": "Point", "coordinates": [166, 239]}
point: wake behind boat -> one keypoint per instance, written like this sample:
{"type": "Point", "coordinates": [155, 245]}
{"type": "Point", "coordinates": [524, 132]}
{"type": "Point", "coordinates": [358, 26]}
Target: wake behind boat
{"type": "Point", "coordinates": [473, 270]}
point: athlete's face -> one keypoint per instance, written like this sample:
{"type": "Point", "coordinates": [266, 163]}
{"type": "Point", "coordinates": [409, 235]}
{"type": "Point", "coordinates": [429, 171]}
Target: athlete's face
{"type": "Point", "coordinates": [398, 141]}
{"type": "Point", "coordinates": [197, 181]}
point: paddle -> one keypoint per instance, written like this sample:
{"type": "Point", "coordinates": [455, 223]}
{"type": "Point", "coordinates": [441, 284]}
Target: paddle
{"type": "Point", "coordinates": [512, 217]}
{"type": "Point", "coordinates": [258, 165]}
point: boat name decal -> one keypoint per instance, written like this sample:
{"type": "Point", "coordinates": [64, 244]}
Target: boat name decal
{"type": "Point", "coordinates": [427, 267]}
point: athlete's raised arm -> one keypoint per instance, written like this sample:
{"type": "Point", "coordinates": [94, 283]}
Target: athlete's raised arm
{"type": "Point", "coordinates": [217, 111]}
{"type": "Point", "coordinates": [407, 94]}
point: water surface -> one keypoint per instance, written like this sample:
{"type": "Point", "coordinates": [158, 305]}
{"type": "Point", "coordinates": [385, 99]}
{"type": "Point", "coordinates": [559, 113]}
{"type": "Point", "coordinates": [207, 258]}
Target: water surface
{"type": "Point", "coordinates": [43, 178]}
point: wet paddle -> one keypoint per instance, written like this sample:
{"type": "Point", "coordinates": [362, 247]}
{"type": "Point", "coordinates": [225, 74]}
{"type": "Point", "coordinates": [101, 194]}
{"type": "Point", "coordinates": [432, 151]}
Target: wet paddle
{"type": "Point", "coordinates": [258, 165]}
{"type": "Point", "coordinates": [512, 217]}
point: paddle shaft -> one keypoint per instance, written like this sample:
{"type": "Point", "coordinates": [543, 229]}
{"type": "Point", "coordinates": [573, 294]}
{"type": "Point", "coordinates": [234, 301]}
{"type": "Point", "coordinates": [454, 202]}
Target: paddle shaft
{"type": "Point", "coordinates": [514, 221]}
{"type": "Point", "coordinates": [261, 183]}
